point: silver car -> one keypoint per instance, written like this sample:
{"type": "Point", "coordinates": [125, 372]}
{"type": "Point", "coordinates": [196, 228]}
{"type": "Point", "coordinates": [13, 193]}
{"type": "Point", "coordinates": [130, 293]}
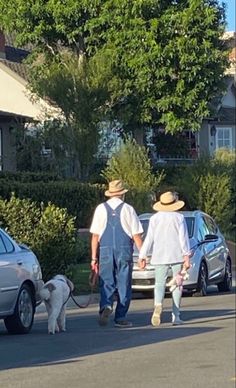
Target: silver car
{"type": "Point", "coordinates": [20, 281]}
{"type": "Point", "coordinates": [210, 263]}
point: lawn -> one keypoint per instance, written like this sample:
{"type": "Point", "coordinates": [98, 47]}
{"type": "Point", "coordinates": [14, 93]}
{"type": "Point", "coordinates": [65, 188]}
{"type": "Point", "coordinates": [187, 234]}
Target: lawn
{"type": "Point", "coordinates": [80, 277]}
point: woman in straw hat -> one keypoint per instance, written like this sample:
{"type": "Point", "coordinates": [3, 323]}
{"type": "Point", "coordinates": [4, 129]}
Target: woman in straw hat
{"type": "Point", "coordinates": [167, 233]}
{"type": "Point", "coordinates": [115, 227]}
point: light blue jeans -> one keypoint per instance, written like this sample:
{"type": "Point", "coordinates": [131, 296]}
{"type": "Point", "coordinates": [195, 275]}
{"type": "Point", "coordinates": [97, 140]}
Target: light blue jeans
{"type": "Point", "coordinates": [161, 271]}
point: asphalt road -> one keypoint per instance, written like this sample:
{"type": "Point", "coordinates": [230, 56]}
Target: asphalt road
{"type": "Point", "coordinates": [199, 354]}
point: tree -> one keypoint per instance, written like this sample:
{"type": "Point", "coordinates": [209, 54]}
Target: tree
{"type": "Point", "coordinates": [78, 87]}
{"type": "Point", "coordinates": [132, 164]}
{"type": "Point", "coordinates": [167, 57]}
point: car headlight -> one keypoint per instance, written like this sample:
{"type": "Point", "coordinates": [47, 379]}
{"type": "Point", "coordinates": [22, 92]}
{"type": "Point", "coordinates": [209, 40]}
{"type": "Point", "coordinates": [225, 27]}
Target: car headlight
{"type": "Point", "coordinates": [37, 272]}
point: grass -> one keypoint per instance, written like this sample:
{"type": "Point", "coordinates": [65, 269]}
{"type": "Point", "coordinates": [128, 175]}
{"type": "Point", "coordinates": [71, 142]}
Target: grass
{"type": "Point", "coordinates": [79, 274]}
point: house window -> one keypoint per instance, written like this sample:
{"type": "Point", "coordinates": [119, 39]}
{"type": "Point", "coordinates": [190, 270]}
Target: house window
{"type": "Point", "coordinates": [223, 138]}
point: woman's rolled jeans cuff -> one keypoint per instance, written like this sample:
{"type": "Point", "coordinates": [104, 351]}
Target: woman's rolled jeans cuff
{"type": "Point", "coordinates": [161, 272]}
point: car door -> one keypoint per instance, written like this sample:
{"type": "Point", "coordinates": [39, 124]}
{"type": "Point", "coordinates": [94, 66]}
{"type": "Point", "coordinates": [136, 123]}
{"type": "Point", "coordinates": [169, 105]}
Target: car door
{"type": "Point", "coordinates": [209, 249]}
{"type": "Point", "coordinates": [9, 274]}
{"type": "Point", "coordinates": [218, 248]}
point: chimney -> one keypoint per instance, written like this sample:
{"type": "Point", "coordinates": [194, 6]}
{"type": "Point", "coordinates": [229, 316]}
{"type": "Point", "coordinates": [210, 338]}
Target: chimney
{"type": "Point", "coordinates": [2, 46]}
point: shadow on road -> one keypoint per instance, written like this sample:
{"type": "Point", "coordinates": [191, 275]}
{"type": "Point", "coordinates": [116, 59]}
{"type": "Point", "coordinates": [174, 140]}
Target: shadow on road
{"type": "Point", "coordinates": [84, 337]}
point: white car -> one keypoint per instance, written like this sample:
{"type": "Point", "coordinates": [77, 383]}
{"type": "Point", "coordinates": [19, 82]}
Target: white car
{"type": "Point", "coordinates": [20, 282]}
{"type": "Point", "coordinates": [210, 264]}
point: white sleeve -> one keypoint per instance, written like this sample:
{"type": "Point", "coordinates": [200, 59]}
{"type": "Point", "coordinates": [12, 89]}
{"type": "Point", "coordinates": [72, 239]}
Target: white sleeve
{"type": "Point", "coordinates": [184, 238]}
{"type": "Point", "coordinates": [148, 241]}
{"type": "Point", "coordinates": [99, 220]}
{"type": "Point", "coordinates": [136, 226]}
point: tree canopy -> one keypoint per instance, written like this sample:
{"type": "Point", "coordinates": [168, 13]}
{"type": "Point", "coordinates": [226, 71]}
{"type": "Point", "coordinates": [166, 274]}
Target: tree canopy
{"type": "Point", "coordinates": [167, 58]}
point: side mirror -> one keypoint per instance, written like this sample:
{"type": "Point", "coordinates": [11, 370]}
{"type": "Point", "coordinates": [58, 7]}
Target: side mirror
{"type": "Point", "coordinates": [211, 237]}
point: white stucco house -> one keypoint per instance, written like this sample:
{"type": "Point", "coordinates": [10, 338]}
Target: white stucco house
{"type": "Point", "coordinates": [17, 106]}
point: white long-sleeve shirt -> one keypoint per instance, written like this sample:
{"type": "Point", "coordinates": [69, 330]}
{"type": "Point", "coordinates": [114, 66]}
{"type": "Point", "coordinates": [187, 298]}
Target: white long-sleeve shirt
{"type": "Point", "coordinates": [128, 217]}
{"type": "Point", "coordinates": [168, 235]}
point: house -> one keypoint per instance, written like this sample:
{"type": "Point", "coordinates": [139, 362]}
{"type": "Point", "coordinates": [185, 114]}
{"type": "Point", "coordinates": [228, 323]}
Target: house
{"type": "Point", "coordinates": [17, 106]}
{"type": "Point", "coordinates": [215, 132]}
{"type": "Point", "coordinates": [219, 131]}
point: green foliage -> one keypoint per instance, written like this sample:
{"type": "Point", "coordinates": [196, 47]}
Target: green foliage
{"type": "Point", "coordinates": [209, 185]}
{"type": "Point", "coordinates": [75, 84]}
{"type": "Point", "coordinates": [80, 199]}
{"type": "Point", "coordinates": [131, 164]}
{"type": "Point", "coordinates": [171, 145]}
{"type": "Point", "coordinates": [48, 230]}
{"type": "Point", "coordinates": [214, 198]}
{"type": "Point", "coordinates": [166, 59]}
{"type": "Point", "coordinates": [28, 176]}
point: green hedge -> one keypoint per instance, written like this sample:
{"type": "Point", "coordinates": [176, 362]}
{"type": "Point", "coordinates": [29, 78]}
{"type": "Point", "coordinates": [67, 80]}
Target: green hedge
{"type": "Point", "coordinates": [48, 230]}
{"type": "Point", "coordinates": [80, 199]}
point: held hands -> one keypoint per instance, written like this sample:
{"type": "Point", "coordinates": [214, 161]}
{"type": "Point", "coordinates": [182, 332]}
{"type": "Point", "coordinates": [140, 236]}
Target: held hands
{"type": "Point", "coordinates": [142, 263]}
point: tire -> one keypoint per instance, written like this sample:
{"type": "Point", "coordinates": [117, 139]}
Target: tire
{"type": "Point", "coordinates": [202, 280]}
{"type": "Point", "coordinates": [22, 319]}
{"type": "Point", "coordinates": [226, 284]}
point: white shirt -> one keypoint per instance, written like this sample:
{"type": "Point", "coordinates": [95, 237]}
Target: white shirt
{"type": "Point", "coordinates": [168, 235]}
{"type": "Point", "coordinates": [128, 217]}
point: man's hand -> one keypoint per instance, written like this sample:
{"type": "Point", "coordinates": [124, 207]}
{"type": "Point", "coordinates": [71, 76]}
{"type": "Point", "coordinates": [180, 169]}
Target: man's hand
{"type": "Point", "coordinates": [142, 263]}
{"type": "Point", "coordinates": [94, 265]}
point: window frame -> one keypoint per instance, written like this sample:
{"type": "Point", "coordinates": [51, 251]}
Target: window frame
{"type": "Point", "coordinates": [230, 137]}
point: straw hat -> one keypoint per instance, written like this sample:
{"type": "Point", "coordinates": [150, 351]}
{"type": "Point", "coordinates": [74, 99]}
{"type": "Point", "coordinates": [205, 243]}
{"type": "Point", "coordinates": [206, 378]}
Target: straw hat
{"type": "Point", "coordinates": [169, 202]}
{"type": "Point", "coordinates": [115, 188]}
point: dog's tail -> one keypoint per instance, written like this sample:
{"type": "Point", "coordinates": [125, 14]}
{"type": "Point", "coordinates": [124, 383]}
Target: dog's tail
{"type": "Point", "coordinates": [46, 290]}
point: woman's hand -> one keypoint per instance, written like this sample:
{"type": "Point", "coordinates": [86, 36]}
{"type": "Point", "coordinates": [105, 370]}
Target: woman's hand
{"type": "Point", "coordinates": [186, 265]}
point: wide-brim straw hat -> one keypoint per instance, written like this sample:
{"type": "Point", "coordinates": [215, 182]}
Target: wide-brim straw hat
{"type": "Point", "coordinates": [169, 202]}
{"type": "Point", "coordinates": [116, 188]}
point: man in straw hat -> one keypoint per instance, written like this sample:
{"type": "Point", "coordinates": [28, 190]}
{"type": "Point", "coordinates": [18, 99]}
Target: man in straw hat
{"type": "Point", "coordinates": [167, 233]}
{"type": "Point", "coordinates": [115, 227]}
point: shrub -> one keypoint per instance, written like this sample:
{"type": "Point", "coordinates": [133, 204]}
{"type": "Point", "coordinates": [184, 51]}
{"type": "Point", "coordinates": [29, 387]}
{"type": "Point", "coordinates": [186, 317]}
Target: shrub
{"type": "Point", "coordinates": [132, 164]}
{"type": "Point", "coordinates": [214, 198]}
{"type": "Point", "coordinates": [209, 185]}
{"type": "Point", "coordinates": [48, 230]}
{"type": "Point", "coordinates": [80, 199]}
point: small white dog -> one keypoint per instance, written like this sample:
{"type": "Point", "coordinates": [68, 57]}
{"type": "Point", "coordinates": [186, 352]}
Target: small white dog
{"type": "Point", "coordinates": [55, 294]}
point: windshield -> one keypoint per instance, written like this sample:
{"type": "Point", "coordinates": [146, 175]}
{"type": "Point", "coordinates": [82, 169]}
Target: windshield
{"type": "Point", "coordinates": [189, 222]}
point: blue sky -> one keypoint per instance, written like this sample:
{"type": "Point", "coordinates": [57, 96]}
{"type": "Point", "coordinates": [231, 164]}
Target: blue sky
{"type": "Point", "coordinates": [230, 14]}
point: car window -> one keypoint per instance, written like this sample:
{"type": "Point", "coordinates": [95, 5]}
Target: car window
{"type": "Point", "coordinates": [202, 229]}
{"type": "Point", "coordinates": [6, 245]}
{"type": "Point", "coordinates": [145, 224]}
{"type": "Point", "coordinates": [2, 246]}
{"type": "Point", "coordinates": [189, 222]}
{"type": "Point", "coordinates": [190, 225]}
{"type": "Point", "coordinates": [211, 225]}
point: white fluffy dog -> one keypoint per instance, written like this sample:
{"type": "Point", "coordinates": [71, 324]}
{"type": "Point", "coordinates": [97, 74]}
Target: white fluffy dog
{"type": "Point", "coordinates": [55, 294]}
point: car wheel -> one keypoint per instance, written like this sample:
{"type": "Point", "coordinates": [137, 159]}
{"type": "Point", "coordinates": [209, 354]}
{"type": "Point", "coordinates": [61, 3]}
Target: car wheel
{"type": "Point", "coordinates": [226, 284]}
{"type": "Point", "coordinates": [202, 281]}
{"type": "Point", "coordinates": [22, 319]}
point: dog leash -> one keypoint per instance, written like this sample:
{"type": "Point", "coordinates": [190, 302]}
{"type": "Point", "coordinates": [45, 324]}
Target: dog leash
{"type": "Point", "coordinates": [93, 278]}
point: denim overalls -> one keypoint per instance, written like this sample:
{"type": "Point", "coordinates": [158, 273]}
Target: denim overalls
{"type": "Point", "coordinates": [115, 264]}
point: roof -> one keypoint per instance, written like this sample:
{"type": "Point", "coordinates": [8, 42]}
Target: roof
{"type": "Point", "coordinates": [227, 114]}
{"type": "Point", "coordinates": [15, 56]}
